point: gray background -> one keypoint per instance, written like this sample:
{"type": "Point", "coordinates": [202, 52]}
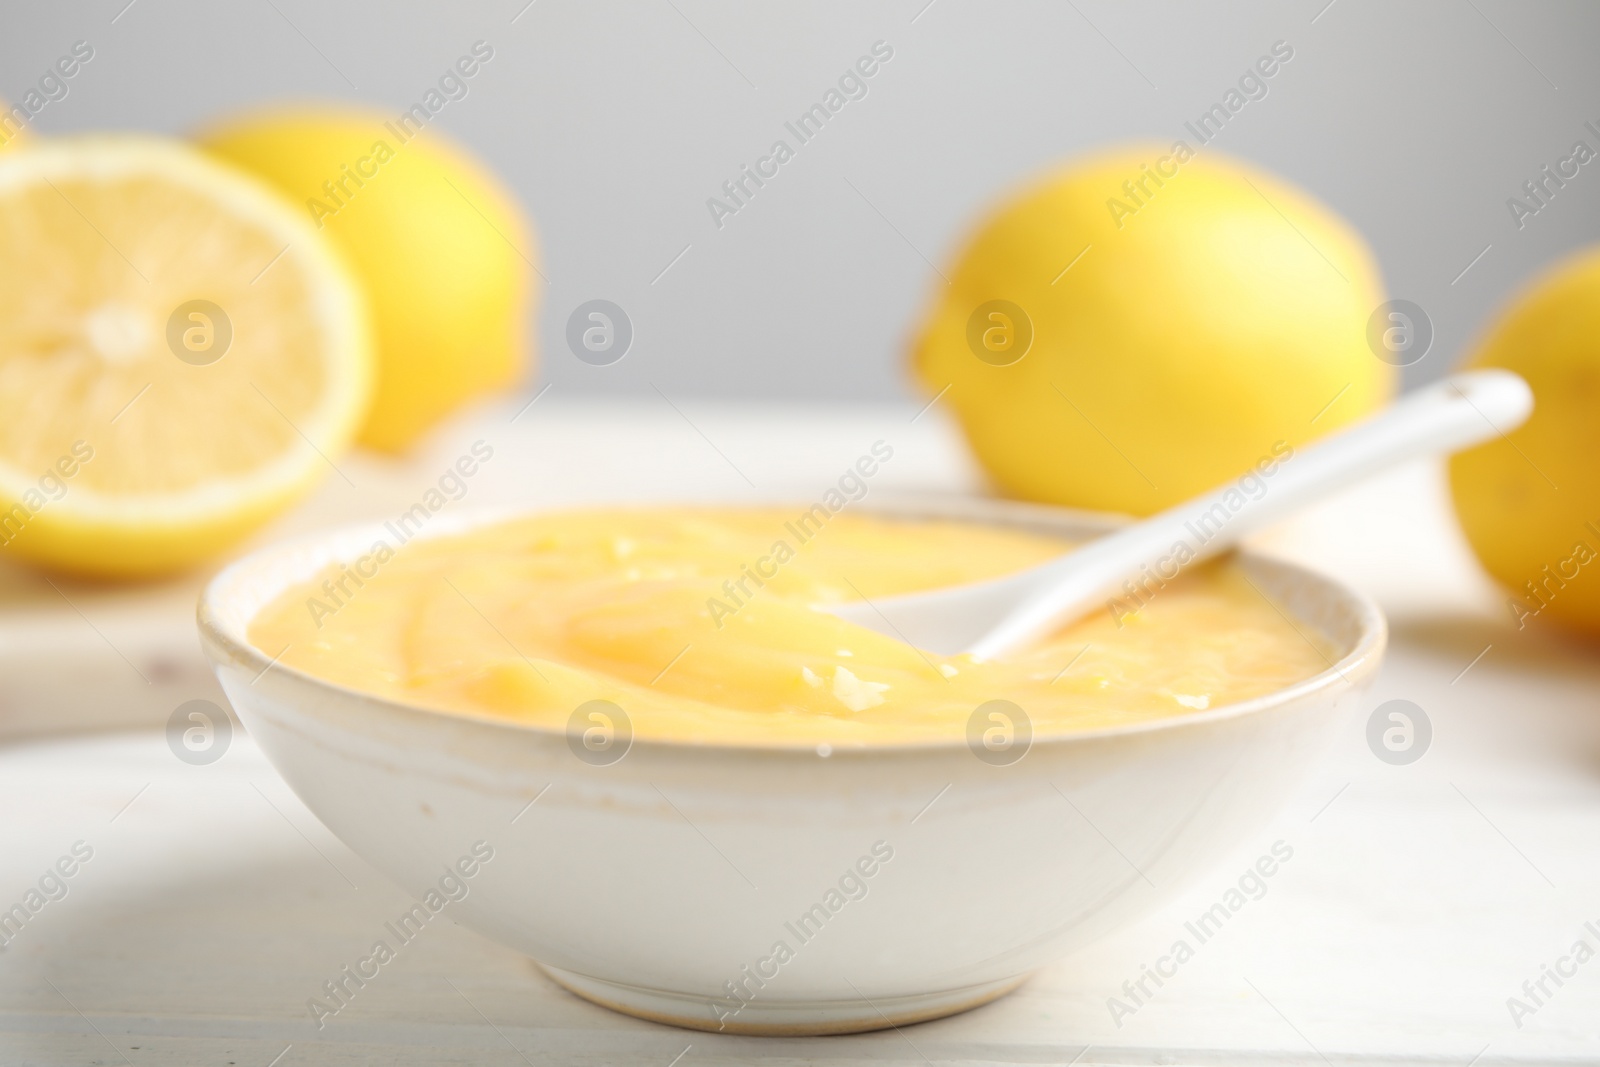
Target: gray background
{"type": "Point", "coordinates": [616, 121]}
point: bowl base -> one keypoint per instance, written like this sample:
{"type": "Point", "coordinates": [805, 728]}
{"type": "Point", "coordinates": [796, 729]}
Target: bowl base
{"type": "Point", "coordinates": [779, 1018]}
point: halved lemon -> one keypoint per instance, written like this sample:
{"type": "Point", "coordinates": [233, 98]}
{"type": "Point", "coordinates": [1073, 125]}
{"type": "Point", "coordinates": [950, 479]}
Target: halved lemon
{"type": "Point", "coordinates": [181, 355]}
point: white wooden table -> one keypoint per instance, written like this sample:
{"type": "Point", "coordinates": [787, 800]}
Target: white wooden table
{"type": "Point", "coordinates": [1418, 900]}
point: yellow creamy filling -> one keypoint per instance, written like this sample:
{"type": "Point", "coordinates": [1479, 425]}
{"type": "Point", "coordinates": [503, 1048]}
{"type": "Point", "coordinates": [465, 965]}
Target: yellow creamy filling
{"type": "Point", "coordinates": [699, 625]}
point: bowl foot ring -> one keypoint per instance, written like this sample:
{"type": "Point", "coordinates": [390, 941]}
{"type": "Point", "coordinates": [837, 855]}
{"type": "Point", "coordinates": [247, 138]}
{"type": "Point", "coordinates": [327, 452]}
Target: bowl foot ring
{"type": "Point", "coordinates": [778, 1018]}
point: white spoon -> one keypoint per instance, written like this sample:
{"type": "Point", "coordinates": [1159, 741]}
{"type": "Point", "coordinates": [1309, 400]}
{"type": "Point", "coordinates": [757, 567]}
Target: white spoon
{"type": "Point", "coordinates": [990, 618]}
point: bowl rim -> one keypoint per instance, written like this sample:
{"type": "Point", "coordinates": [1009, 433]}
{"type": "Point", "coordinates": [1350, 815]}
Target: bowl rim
{"type": "Point", "coordinates": [223, 644]}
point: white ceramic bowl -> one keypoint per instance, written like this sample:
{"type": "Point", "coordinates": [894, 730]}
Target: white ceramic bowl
{"type": "Point", "coordinates": [663, 883]}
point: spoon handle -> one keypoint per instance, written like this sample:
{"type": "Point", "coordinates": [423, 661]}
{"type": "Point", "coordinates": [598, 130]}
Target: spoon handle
{"type": "Point", "coordinates": [1462, 410]}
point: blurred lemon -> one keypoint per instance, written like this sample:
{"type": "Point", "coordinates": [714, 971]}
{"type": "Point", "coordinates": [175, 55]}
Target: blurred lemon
{"type": "Point", "coordinates": [1530, 502]}
{"type": "Point", "coordinates": [1143, 327]}
{"type": "Point", "coordinates": [438, 243]}
{"type": "Point", "coordinates": [179, 353]}
{"type": "Point", "coordinates": [13, 134]}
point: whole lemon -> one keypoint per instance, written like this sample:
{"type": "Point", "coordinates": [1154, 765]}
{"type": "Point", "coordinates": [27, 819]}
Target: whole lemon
{"type": "Point", "coordinates": [442, 249]}
{"type": "Point", "coordinates": [1150, 323]}
{"type": "Point", "coordinates": [1530, 501]}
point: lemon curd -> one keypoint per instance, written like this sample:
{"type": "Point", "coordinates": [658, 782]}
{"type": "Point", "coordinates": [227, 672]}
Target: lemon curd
{"type": "Point", "coordinates": [700, 625]}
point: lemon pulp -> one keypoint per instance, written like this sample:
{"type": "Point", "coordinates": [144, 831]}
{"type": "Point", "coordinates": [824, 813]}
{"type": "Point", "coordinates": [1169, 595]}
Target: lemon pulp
{"type": "Point", "coordinates": [180, 354]}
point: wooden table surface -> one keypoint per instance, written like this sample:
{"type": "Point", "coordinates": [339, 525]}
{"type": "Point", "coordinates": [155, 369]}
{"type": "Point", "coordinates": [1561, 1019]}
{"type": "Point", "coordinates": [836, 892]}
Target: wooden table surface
{"type": "Point", "coordinates": [1418, 900]}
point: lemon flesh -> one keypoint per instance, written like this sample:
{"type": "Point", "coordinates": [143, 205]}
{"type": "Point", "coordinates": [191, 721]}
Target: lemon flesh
{"type": "Point", "coordinates": [1172, 346]}
{"type": "Point", "coordinates": [442, 251]}
{"type": "Point", "coordinates": [1530, 502]}
{"type": "Point", "coordinates": [180, 355]}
